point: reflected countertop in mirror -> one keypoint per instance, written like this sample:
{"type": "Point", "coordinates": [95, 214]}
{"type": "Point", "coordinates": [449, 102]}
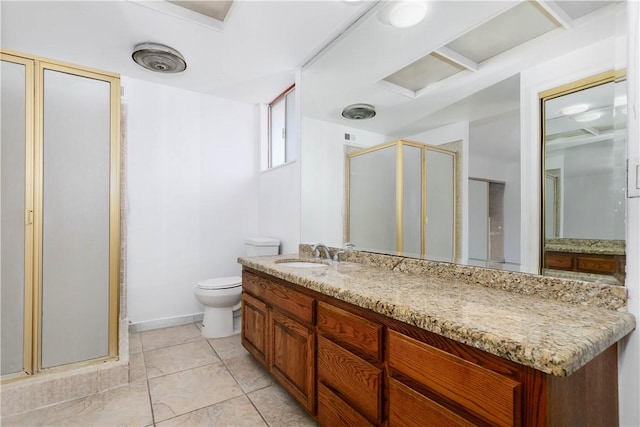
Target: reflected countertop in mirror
{"type": "Point", "coordinates": [588, 246]}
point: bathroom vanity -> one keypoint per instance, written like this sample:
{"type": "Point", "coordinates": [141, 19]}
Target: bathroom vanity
{"type": "Point", "coordinates": [392, 341]}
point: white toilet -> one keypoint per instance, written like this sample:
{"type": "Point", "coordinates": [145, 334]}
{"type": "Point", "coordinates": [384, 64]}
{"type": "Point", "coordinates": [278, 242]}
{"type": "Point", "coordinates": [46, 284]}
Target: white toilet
{"type": "Point", "coordinates": [221, 296]}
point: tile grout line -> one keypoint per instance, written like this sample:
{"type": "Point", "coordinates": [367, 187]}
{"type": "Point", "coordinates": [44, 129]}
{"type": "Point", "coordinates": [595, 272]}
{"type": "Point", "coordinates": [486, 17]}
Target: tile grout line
{"type": "Point", "coordinates": [239, 385]}
{"type": "Point", "coordinates": [146, 378]}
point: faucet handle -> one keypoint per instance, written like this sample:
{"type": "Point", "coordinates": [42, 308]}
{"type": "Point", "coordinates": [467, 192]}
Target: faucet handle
{"type": "Point", "coordinates": [336, 256]}
{"type": "Point", "coordinates": [349, 245]}
{"type": "Point", "coordinates": [315, 250]}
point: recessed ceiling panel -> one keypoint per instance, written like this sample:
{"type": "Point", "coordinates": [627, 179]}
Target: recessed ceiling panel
{"type": "Point", "coordinates": [578, 9]}
{"type": "Point", "coordinates": [508, 30]}
{"type": "Point", "coordinates": [217, 9]}
{"type": "Point", "coordinates": [424, 72]}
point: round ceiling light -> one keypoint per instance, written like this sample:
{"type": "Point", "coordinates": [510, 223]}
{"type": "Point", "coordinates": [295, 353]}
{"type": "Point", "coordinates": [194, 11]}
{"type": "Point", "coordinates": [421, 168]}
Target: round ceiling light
{"type": "Point", "coordinates": [574, 109]}
{"type": "Point", "coordinates": [407, 13]}
{"type": "Point", "coordinates": [158, 57]}
{"type": "Point", "coordinates": [588, 117]}
{"type": "Point", "coordinates": [359, 111]}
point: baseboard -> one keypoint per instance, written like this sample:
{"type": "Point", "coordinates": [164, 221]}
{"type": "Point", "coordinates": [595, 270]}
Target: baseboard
{"type": "Point", "coordinates": [148, 325]}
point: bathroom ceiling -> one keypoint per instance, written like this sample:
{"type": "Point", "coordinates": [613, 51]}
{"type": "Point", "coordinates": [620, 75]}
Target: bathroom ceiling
{"type": "Point", "coordinates": [252, 57]}
{"type": "Point", "coordinates": [252, 53]}
{"type": "Point", "coordinates": [461, 48]}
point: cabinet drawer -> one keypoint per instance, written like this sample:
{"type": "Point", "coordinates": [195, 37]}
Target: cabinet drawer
{"type": "Point", "coordinates": [409, 408]}
{"type": "Point", "coordinates": [280, 297]}
{"type": "Point", "coordinates": [355, 380]}
{"type": "Point", "coordinates": [559, 261]}
{"type": "Point", "coordinates": [596, 264]}
{"type": "Point", "coordinates": [333, 411]}
{"type": "Point", "coordinates": [351, 330]}
{"type": "Point", "coordinates": [491, 396]}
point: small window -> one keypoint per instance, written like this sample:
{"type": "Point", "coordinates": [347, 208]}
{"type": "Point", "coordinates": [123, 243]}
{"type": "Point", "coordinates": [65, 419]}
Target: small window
{"type": "Point", "coordinates": [281, 124]}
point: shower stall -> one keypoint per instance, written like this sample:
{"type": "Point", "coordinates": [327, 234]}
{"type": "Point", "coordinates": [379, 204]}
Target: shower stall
{"type": "Point", "coordinates": [60, 215]}
{"type": "Point", "coordinates": [401, 199]}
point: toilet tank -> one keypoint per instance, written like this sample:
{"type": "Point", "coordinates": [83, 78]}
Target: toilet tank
{"type": "Point", "coordinates": [259, 246]}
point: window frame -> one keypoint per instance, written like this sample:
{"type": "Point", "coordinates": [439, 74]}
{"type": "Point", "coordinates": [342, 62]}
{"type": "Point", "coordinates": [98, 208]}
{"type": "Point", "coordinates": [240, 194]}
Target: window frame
{"type": "Point", "coordinates": [282, 97]}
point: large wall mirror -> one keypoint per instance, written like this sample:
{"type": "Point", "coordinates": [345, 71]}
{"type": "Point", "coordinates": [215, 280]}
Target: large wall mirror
{"type": "Point", "coordinates": [584, 179]}
{"type": "Point", "coordinates": [468, 76]}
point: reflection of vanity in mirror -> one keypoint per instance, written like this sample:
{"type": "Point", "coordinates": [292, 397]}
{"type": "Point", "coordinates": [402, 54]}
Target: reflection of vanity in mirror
{"type": "Point", "coordinates": [584, 179]}
{"type": "Point", "coordinates": [471, 79]}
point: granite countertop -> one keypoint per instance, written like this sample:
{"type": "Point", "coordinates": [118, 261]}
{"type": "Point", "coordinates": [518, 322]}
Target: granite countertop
{"type": "Point", "coordinates": [553, 336]}
{"type": "Point", "coordinates": [586, 246]}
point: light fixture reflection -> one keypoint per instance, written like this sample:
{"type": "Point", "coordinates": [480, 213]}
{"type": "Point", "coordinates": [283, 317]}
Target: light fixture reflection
{"type": "Point", "coordinates": [574, 109]}
{"type": "Point", "coordinates": [588, 117]}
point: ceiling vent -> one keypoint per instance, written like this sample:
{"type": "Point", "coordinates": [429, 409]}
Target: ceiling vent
{"type": "Point", "coordinates": [159, 58]}
{"type": "Point", "coordinates": [359, 111]}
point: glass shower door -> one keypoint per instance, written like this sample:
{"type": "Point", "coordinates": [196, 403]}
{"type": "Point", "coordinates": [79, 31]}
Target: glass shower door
{"type": "Point", "coordinates": [372, 201]}
{"type": "Point", "coordinates": [16, 143]}
{"type": "Point", "coordinates": [440, 182]}
{"type": "Point", "coordinates": [75, 218]}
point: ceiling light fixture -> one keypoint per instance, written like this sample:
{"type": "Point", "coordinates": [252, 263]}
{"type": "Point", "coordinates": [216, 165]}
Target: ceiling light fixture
{"type": "Point", "coordinates": [359, 111]}
{"type": "Point", "coordinates": [574, 109]}
{"type": "Point", "coordinates": [407, 13]}
{"type": "Point", "coordinates": [158, 57]}
{"type": "Point", "coordinates": [588, 117]}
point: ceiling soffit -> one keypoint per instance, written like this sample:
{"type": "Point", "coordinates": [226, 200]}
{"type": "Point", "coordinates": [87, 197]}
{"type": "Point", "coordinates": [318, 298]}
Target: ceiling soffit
{"type": "Point", "coordinates": [213, 9]}
{"type": "Point", "coordinates": [212, 14]}
{"type": "Point", "coordinates": [523, 22]}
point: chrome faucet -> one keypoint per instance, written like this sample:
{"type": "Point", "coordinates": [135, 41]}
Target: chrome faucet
{"type": "Point", "coordinates": [336, 256]}
{"type": "Point", "coordinates": [315, 249]}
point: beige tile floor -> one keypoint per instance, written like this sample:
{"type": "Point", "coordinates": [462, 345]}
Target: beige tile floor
{"type": "Point", "coordinates": [179, 378]}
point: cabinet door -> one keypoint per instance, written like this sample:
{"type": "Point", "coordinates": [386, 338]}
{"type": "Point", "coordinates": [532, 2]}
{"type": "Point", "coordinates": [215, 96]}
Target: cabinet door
{"type": "Point", "coordinates": [291, 357]}
{"type": "Point", "coordinates": [254, 327]}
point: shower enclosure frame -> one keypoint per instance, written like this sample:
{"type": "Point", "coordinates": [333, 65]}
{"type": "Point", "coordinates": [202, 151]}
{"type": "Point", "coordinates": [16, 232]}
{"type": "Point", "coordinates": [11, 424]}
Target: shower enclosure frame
{"type": "Point", "coordinates": [399, 192]}
{"type": "Point", "coordinates": [35, 68]}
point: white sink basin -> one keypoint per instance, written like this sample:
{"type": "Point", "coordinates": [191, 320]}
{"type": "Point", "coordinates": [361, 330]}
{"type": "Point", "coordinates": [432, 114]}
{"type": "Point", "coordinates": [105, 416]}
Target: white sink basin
{"type": "Point", "coordinates": [301, 264]}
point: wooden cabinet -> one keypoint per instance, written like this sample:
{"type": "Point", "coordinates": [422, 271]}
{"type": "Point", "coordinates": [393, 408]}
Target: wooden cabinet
{"type": "Point", "coordinates": [349, 361]}
{"type": "Point", "coordinates": [467, 388]}
{"type": "Point", "coordinates": [277, 329]}
{"type": "Point", "coordinates": [291, 357]}
{"type": "Point", "coordinates": [352, 367]}
{"type": "Point", "coordinates": [610, 265]}
{"type": "Point", "coordinates": [409, 408]}
{"type": "Point", "coordinates": [254, 327]}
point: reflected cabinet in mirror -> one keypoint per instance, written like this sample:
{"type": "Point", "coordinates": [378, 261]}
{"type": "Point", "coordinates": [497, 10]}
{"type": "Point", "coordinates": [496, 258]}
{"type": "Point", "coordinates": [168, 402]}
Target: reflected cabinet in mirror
{"type": "Point", "coordinates": [584, 156]}
{"type": "Point", "coordinates": [466, 79]}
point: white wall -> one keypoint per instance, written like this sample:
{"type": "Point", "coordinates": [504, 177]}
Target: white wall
{"type": "Point", "coordinates": [629, 350]}
{"type": "Point", "coordinates": [192, 194]}
{"type": "Point", "coordinates": [322, 196]}
{"type": "Point", "coordinates": [279, 206]}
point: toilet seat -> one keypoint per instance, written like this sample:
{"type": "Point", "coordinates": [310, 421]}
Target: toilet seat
{"type": "Point", "coordinates": [220, 283]}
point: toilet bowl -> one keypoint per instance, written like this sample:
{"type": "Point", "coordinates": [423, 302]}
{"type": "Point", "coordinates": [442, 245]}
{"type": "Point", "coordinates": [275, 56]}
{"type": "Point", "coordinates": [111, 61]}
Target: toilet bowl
{"type": "Point", "coordinates": [220, 297]}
